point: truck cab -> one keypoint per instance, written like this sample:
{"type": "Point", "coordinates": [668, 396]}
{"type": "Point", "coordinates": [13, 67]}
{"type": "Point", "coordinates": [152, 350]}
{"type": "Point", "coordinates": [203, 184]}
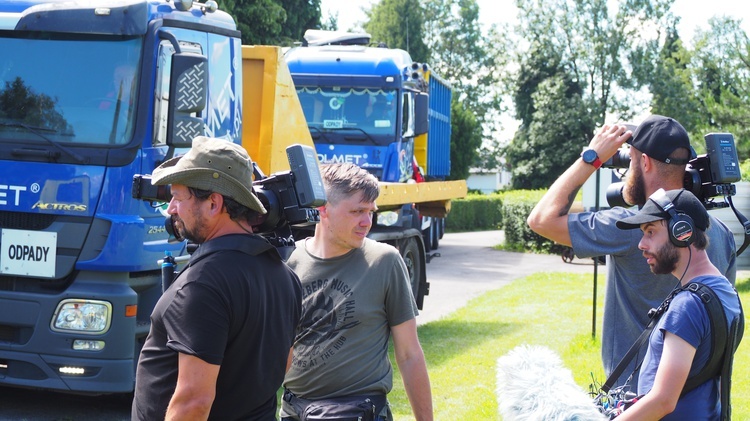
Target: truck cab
{"type": "Point", "coordinates": [92, 93]}
{"type": "Point", "coordinates": [359, 102]}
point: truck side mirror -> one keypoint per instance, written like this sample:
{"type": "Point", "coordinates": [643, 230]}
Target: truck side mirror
{"type": "Point", "coordinates": [187, 95]}
{"type": "Point", "coordinates": [421, 119]}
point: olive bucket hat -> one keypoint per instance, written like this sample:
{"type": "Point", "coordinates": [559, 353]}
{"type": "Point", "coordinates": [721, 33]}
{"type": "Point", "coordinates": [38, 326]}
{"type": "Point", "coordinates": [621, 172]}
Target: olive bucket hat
{"type": "Point", "coordinates": [215, 165]}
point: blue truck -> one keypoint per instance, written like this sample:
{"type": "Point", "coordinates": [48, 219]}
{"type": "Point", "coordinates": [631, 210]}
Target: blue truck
{"type": "Point", "coordinates": [375, 107]}
{"type": "Point", "coordinates": [93, 96]}
{"type": "Point", "coordinates": [92, 93]}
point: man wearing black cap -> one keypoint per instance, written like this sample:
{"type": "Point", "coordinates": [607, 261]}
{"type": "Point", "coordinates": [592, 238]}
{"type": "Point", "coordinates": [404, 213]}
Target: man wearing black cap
{"type": "Point", "coordinates": [221, 333]}
{"type": "Point", "coordinates": [659, 150]}
{"type": "Point", "coordinates": [674, 241]}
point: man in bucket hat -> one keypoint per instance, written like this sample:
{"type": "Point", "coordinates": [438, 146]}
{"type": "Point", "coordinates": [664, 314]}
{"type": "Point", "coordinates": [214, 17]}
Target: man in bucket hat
{"type": "Point", "coordinates": [221, 333]}
{"type": "Point", "coordinates": [659, 150]}
{"type": "Point", "coordinates": [673, 226]}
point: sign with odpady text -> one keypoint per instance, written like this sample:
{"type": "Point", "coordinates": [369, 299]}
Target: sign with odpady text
{"type": "Point", "coordinates": [28, 253]}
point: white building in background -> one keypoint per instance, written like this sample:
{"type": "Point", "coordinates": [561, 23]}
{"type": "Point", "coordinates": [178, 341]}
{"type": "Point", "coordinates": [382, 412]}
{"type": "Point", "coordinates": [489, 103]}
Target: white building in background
{"type": "Point", "coordinates": [487, 181]}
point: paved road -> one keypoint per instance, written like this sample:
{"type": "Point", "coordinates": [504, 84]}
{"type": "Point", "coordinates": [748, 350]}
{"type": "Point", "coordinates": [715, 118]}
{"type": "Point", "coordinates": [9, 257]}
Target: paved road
{"type": "Point", "coordinates": [467, 267]}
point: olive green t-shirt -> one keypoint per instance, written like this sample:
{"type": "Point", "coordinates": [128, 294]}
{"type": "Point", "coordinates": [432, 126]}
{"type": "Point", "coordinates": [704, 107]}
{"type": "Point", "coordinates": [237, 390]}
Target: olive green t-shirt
{"type": "Point", "coordinates": [349, 304]}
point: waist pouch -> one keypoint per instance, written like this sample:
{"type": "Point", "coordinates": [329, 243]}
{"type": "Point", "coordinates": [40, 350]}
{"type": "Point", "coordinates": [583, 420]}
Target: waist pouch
{"type": "Point", "coordinates": [348, 408]}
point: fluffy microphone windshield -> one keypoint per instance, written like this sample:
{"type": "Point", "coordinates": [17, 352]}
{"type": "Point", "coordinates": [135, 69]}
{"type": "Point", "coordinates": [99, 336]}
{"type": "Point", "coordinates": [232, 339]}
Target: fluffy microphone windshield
{"type": "Point", "coordinates": [533, 385]}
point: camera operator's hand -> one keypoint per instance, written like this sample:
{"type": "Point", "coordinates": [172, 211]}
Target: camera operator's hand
{"type": "Point", "coordinates": [609, 140]}
{"type": "Point", "coordinates": [549, 218]}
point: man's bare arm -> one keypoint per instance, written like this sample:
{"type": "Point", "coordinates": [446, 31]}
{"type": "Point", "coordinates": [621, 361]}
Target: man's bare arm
{"type": "Point", "coordinates": [195, 390]}
{"type": "Point", "coordinates": [411, 363]}
{"type": "Point", "coordinates": [549, 218]}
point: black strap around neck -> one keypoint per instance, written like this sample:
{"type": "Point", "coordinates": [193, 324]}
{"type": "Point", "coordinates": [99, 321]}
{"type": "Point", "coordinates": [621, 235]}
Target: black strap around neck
{"type": "Point", "coordinates": [655, 315]}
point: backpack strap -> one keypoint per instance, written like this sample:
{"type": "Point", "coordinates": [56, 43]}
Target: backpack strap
{"type": "Point", "coordinates": [654, 315]}
{"type": "Point", "coordinates": [719, 335]}
{"type": "Point", "coordinates": [725, 341]}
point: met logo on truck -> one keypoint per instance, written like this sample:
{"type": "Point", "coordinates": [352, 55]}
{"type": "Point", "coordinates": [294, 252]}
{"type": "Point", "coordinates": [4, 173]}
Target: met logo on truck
{"type": "Point", "coordinates": [10, 192]}
{"type": "Point", "coordinates": [28, 253]}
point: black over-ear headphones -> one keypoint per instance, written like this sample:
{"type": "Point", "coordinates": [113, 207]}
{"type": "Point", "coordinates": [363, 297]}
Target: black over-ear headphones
{"type": "Point", "coordinates": [680, 226]}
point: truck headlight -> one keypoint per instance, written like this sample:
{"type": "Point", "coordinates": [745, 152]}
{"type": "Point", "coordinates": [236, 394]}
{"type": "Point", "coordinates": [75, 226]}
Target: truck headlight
{"type": "Point", "coordinates": [388, 218]}
{"type": "Point", "coordinates": [82, 316]}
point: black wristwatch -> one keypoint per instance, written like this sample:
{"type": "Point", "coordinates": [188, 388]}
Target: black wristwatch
{"type": "Point", "coordinates": [590, 156]}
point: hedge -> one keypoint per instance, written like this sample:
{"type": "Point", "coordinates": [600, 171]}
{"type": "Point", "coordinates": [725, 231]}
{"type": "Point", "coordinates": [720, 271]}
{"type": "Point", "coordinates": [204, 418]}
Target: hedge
{"type": "Point", "coordinates": [476, 212]}
{"type": "Point", "coordinates": [507, 211]}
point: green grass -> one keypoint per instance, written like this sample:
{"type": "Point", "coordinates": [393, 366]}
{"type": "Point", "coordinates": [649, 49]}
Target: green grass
{"type": "Point", "coordinates": [550, 309]}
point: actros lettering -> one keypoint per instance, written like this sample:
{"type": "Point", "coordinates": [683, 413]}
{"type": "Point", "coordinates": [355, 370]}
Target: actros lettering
{"type": "Point", "coordinates": [341, 159]}
{"type": "Point", "coordinates": [29, 253]}
{"type": "Point", "coordinates": [60, 206]}
{"type": "Point", "coordinates": [15, 193]}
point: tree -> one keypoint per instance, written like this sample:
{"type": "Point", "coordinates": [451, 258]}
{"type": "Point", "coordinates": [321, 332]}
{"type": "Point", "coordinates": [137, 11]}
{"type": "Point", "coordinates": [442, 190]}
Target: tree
{"type": "Point", "coordinates": [468, 58]}
{"type": "Point", "coordinates": [589, 48]}
{"type": "Point", "coordinates": [399, 24]}
{"type": "Point", "coordinates": [721, 65]}
{"type": "Point", "coordinates": [466, 138]}
{"type": "Point", "coordinates": [671, 84]}
{"type": "Point", "coordinates": [461, 51]}
{"type": "Point", "coordinates": [259, 21]}
{"type": "Point", "coordinates": [490, 156]}
{"type": "Point", "coordinates": [301, 15]}
{"type": "Point", "coordinates": [559, 129]}
{"type": "Point", "coordinates": [273, 22]}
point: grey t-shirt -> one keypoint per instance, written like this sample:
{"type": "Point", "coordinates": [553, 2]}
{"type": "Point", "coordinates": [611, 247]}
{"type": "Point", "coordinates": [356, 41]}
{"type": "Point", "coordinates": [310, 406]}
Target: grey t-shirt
{"type": "Point", "coordinates": [349, 304]}
{"type": "Point", "coordinates": [632, 289]}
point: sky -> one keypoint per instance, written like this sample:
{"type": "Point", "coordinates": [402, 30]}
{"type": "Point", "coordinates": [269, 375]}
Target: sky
{"type": "Point", "coordinates": [694, 13]}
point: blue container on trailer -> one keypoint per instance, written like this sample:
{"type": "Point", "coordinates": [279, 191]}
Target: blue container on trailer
{"type": "Point", "coordinates": [439, 136]}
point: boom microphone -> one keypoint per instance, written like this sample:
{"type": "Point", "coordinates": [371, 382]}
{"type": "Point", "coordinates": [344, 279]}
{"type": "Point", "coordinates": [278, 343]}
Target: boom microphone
{"type": "Point", "coordinates": [533, 385]}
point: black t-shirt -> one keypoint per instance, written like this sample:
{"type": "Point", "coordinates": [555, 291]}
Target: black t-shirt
{"type": "Point", "coordinates": [237, 305]}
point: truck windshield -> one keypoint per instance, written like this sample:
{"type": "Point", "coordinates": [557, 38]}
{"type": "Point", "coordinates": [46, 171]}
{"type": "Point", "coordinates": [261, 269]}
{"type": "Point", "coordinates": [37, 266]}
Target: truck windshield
{"type": "Point", "coordinates": [67, 90]}
{"type": "Point", "coordinates": [368, 110]}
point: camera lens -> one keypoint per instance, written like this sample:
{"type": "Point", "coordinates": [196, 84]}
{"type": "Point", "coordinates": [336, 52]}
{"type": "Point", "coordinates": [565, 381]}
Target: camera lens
{"type": "Point", "coordinates": [615, 197]}
{"type": "Point", "coordinates": [621, 159]}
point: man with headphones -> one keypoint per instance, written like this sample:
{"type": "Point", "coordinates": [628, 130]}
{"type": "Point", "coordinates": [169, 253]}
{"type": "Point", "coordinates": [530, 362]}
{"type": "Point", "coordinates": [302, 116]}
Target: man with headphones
{"type": "Point", "coordinates": [659, 151]}
{"type": "Point", "coordinates": [674, 241]}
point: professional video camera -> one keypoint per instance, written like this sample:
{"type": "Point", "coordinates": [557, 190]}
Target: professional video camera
{"type": "Point", "coordinates": [291, 198]}
{"type": "Point", "coordinates": [707, 176]}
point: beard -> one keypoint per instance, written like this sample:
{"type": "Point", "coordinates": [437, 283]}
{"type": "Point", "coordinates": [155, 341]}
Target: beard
{"type": "Point", "coordinates": [665, 259]}
{"type": "Point", "coordinates": [634, 191]}
{"type": "Point", "coordinates": [193, 234]}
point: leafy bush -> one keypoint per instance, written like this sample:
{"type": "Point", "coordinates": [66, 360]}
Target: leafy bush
{"type": "Point", "coordinates": [517, 206]}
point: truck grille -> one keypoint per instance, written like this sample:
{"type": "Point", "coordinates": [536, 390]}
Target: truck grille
{"type": "Point", "coordinates": [25, 221]}
{"type": "Point", "coordinates": [8, 334]}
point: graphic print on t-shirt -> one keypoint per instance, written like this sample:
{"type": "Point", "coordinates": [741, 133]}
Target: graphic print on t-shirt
{"type": "Point", "coordinates": [328, 312]}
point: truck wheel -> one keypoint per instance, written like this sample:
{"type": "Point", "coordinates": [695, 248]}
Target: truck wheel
{"type": "Point", "coordinates": [441, 228]}
{"type": "Point", "coordinates": [411, 255]}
